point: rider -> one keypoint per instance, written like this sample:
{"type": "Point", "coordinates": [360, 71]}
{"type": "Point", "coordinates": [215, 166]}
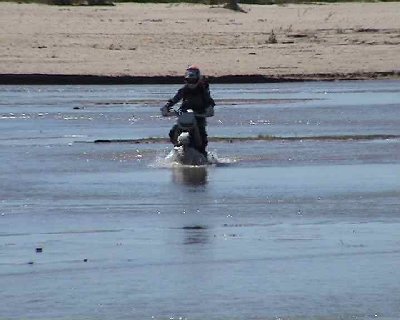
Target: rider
{"type": "Point", "coordinates": [195, 95]}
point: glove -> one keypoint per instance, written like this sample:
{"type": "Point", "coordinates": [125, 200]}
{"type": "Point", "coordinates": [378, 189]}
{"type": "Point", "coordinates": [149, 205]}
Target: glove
{"type": "Point", "coordinates": [166, 110]}
{"type": "Point", "coordinates": [210, 111]}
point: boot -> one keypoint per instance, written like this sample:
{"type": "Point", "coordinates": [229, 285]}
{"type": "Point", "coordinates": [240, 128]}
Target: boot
{"type": "Point", "coordinates": [203, 151]}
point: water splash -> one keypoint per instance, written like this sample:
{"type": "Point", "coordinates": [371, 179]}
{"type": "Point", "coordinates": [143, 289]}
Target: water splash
{"type": "Point", "coordinates": [162, 160]}
{"type": "Point", "coordinates": [217, 161]}
{"type": "Point", "coordinates": [166, 160]}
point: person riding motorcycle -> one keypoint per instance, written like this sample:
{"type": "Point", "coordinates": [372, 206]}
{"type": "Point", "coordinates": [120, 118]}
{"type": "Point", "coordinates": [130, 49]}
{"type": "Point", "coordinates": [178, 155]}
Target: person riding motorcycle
{"type": "Point", "coordinates": [195, 95]}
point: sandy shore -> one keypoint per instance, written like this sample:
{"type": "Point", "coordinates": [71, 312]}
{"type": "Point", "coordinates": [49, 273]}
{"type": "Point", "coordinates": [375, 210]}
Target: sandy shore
{"type": "Point", "coordinates": [353, 40]}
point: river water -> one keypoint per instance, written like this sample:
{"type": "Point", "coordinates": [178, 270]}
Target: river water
{"type": "Point", "coordinates": [301, 223]}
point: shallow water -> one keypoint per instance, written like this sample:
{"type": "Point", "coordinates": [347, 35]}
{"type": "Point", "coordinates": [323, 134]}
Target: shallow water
{"type": "Point", "coordinates": [289, 229]}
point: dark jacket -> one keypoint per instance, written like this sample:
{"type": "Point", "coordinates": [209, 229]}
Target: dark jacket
{"type": "Point", "coordinates": [197, 99]}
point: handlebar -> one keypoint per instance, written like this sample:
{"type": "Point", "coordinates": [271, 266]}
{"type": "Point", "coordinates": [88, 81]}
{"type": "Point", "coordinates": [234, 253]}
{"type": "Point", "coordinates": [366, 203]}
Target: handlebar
{"type": "Point", "coordinates": [169, 113]}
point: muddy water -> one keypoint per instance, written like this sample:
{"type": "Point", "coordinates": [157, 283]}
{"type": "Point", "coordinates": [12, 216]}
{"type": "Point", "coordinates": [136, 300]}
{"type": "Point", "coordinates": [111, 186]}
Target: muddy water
{"type": "Point", "coordinates": [302, 225]}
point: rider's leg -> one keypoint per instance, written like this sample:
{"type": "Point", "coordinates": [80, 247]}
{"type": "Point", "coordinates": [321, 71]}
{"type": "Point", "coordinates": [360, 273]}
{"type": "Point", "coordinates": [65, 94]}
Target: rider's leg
{"type": "Point", "coordinates": [203, 135]}
{"type": "Point", "coordinates": [173, 135]}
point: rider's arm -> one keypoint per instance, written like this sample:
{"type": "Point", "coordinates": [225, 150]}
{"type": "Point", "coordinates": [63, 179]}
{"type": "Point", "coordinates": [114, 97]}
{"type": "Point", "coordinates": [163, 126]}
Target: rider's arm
{"type": "Point", "coordinates": [177, 97]}
{"type": "Point", "coordinates": [207, 95]}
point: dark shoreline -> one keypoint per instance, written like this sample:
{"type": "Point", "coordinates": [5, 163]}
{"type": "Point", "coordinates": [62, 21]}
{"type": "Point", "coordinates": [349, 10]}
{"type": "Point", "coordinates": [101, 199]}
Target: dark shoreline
{"type": "Point", "coordinates": [257, 138]}
{"type": "Point", "coordinates": [62, 79]}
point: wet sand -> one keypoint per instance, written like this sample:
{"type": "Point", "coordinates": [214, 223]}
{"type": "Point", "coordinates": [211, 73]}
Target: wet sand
{"type": "Point", "coordinates": [287, 229]}
{"type": "Point", "coordinates": [330, 41]}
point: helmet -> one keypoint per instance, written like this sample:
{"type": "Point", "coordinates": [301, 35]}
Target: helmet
{"type": "Point", "coordinates": [192, 76]}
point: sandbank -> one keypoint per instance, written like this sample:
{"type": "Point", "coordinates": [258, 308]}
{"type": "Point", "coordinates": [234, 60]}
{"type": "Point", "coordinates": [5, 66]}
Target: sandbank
{"type": "Point", "coordinates": [139, 43]}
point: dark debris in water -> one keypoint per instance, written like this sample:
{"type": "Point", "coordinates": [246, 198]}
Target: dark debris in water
{"type": "Point", "coordinates": [194, 228]}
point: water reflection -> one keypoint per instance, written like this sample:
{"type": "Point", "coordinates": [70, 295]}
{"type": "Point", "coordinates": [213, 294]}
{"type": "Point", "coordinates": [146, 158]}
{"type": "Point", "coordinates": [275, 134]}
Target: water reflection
{"type": "Point", "coordinates": [196, 235]}
{"type": "Point", "coordinates": [192, 176]}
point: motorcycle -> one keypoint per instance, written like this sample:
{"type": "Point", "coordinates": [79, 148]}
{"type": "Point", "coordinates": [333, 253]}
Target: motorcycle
{"type": "Point", "coordinates": [186, 151]}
